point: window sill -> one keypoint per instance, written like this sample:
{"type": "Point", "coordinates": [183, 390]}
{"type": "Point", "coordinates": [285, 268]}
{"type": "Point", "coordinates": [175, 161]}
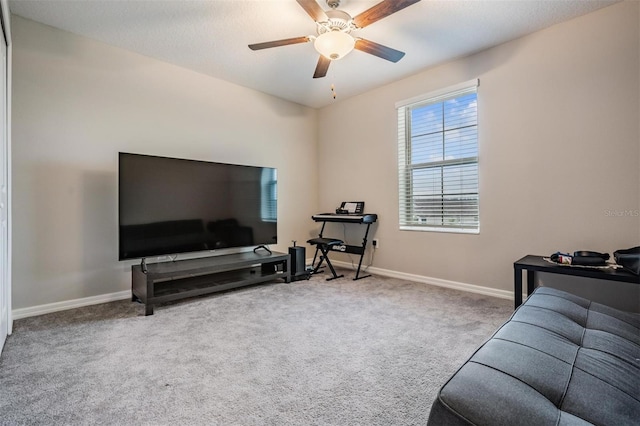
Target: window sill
{"type": "Point", "coordinates": [436, 229]}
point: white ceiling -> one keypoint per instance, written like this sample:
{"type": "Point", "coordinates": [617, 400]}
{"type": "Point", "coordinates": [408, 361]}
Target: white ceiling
{"type": "Point", "coordinates": [211, 36]}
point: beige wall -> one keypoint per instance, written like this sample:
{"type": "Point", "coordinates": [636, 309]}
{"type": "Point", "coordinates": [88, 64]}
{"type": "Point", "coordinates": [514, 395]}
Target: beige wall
{"type": "Point", "coordinates": [559, 147]}
{"type": "Point", "coordinates": [76, 103]}
{"type": "Point", "coordinates": [559, 151]}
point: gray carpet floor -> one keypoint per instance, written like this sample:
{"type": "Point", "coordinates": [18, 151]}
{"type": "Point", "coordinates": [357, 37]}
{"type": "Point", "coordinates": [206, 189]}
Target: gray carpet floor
{"type": "Point", "coordinates": [343, 352]}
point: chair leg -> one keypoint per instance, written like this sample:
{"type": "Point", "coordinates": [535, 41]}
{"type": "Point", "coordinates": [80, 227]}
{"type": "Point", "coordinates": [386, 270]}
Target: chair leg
{"type": "Point", "coordinates": [325, 255]}
{"type": "Point", "coordinates": [316, 269]}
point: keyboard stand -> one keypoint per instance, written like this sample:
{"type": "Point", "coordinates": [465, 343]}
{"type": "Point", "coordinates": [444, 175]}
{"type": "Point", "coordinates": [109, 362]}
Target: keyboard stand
{"type": "Point", "coordinates": [339, 245]}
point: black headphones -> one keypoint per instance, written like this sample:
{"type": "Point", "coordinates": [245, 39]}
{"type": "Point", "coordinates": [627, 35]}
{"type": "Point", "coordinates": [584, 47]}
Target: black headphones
{"type": "Point", "coordinates": [585, 253]}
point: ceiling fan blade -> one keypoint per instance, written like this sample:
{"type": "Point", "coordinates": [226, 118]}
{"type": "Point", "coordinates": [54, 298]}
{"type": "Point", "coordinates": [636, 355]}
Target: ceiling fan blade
{"type": "Point", "coordinates": [322, 67]}
{"type": "Point", "coordinates": [378, 50]}
{"type": "Point", "coordinates": [381, 10]}
{"type": "Point", "coordinates": [276, 43]}
{"type": "Point", "coordinates": [314, 10]}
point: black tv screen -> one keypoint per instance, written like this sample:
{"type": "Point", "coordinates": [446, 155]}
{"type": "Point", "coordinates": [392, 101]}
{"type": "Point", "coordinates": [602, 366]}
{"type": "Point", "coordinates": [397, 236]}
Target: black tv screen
{"type": "Point", "coordinates": [169, 206]}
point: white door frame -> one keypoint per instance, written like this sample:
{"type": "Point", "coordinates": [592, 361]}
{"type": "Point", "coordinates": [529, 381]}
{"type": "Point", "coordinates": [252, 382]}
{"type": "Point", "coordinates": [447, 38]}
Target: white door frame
{"type": "Point", "coordinates": [6, 322]}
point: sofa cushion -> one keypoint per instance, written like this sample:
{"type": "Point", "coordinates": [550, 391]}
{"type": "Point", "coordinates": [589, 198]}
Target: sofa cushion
{"type": "Point", "coordinates": [559, 360]}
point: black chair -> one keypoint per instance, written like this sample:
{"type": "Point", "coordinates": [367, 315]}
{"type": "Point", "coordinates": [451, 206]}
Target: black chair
{"type": "Point", "coordinates": [324, 245]}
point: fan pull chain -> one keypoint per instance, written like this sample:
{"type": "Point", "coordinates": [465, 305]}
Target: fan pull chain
{"type": "Point", "coordinates": [332, 76]}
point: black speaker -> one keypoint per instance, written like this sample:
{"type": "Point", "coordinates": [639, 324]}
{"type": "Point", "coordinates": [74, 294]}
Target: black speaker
{"type": "Point", "coordinates": [297, 255]}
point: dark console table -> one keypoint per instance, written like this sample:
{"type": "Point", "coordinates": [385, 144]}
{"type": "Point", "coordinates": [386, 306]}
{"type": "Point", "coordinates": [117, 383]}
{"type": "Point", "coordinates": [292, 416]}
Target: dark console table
{"type": "Point", "coordinates": [170, 281]}
{"type": "Point", "coordinates": [533, 264]}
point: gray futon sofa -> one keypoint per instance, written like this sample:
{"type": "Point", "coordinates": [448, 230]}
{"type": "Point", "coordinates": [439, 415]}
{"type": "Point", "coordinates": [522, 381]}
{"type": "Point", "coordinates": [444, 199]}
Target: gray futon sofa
{"type": "Point", "coordinates": [559, 360]}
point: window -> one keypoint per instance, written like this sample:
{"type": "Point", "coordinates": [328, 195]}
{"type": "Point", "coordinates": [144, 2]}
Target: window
{"type": "Point", "coordinates": [438, 160]}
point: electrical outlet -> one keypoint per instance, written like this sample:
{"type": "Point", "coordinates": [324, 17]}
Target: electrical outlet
{"type": "Point", "coordinates": [376, 243]}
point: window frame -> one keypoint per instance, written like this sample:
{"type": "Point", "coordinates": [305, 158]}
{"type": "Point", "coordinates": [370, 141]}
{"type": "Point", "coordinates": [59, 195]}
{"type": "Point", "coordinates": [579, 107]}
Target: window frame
{"type": "Point", "coordinates": [406, 167]}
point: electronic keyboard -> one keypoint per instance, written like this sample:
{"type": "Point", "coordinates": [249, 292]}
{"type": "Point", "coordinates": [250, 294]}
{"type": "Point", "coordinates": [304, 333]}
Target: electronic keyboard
{"type": "Point", "coordinates": [345, 217]}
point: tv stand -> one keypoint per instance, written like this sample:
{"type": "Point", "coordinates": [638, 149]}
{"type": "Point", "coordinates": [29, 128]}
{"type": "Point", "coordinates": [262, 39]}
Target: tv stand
{"type": "Point", "coordinates": [169, 281]}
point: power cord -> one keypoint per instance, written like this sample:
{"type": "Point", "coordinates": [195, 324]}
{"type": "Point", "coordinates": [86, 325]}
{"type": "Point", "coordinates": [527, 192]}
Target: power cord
{"type": "Point", "coordinates": [365, 268]}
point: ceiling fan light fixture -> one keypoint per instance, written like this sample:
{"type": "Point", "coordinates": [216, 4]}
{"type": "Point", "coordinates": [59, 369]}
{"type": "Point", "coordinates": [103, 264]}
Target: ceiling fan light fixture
{"type": "Point", "coordinates": [334, 44]}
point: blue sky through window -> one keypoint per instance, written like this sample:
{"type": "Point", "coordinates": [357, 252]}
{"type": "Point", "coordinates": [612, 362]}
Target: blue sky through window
{"type": "Point", "coordinates": [445, 130]}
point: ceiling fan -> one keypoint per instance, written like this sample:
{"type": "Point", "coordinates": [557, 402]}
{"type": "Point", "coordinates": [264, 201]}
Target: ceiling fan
{"type": "Point", "coordinates": [334, 27]}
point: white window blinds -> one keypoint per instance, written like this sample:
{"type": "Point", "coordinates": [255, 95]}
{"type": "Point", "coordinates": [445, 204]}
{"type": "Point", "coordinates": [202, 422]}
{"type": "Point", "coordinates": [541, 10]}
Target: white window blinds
{"type": "Point", "coordinates": [438, 160]}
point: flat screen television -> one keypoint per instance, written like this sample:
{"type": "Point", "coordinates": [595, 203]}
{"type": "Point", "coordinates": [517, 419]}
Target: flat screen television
{"type": "Point", "coordinates": [169, 206]}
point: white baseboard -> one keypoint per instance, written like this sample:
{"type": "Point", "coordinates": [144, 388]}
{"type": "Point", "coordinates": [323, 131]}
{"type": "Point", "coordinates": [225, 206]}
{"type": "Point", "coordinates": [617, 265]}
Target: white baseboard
{"type": "Point", "coordinates": [471, 288]}
{"type": "Point", "coordinates": [121, 295]}
{"type": "Point", "coordinates": [69, 304]}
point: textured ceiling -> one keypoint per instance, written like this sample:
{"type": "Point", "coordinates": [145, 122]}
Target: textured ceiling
{"type": "Point", "coordinates": [211, 37]}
